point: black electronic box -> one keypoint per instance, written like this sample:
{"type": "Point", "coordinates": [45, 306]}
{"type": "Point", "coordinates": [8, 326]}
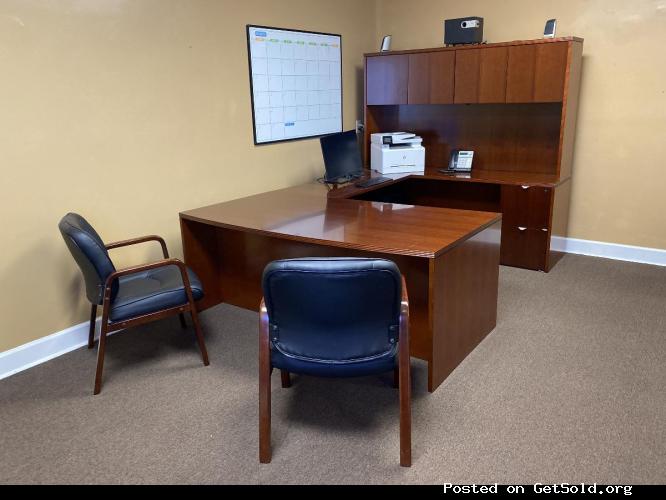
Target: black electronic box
{"type": "Point", "coordinates": [463, 30]}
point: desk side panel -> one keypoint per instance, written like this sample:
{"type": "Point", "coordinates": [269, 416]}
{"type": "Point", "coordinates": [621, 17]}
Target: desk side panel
{"type": "Point", "coordinates": [560, 220]}
{"type": "Point", "coordinates": [464, 286]}
{"type": "Point", "coordinates": [570, 109]}
{"type": "Point", "coordinates": [200, 251]}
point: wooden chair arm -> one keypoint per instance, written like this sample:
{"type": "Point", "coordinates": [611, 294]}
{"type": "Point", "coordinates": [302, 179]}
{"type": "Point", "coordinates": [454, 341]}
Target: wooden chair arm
{"type": "Point", "coordinates": [404, 311]}
{"type": "Point", "coordinates": [141, 239]}
{"type": "Point", "coordinates": [263, 321]}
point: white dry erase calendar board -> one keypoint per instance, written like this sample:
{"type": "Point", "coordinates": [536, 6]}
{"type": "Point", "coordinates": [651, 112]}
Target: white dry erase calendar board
{"type": "Point", "coordinates": [295, 83]}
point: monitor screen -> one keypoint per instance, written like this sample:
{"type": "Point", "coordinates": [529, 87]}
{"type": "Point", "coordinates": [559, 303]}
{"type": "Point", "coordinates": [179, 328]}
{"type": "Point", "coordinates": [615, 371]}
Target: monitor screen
{"type": "Point", "coordinates": [342, 156]}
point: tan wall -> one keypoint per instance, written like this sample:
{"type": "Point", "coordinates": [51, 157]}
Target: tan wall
{"type": "Point", "coordinates": [129, 111]}
{"type": "Point", "coordinates": [619, 175]}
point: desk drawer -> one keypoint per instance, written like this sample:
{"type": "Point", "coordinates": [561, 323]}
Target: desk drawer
{"type": "Point", "coordinates": [524, 247]}
{"type": "Point", "coordinates": [526, 206]}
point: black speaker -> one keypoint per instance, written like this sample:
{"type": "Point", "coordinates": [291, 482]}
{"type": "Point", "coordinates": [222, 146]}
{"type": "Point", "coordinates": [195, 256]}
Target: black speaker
{"type": "Point", "coordinates": [463, 30]}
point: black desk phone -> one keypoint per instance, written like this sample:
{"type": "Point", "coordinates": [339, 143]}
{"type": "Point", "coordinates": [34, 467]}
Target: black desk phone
{"type": "Point", "coordinates": [461, 161]}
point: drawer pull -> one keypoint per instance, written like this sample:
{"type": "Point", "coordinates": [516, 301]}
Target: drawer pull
{"type": "Point", "coordinates": [521, 228]}
{"type": "Point", "coordinates": [544, 229]}
{"type": "Point", "coordinates": [525, 187]}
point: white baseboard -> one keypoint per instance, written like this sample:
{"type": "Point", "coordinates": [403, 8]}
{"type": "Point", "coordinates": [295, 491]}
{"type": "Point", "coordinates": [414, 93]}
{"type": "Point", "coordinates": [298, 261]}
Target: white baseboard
{"type": "Point", "coordinates": [38, 351]}
{"type": "Point", "coordinates": [643, 255]}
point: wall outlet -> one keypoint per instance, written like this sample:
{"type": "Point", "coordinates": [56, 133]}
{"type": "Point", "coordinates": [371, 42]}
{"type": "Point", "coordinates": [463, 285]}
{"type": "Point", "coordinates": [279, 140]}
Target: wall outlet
{"type": "Point", "coordinates": [359, 126]}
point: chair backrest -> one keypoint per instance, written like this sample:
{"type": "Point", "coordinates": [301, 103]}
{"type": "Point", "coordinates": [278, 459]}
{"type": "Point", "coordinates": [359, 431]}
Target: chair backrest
{"type": "Point", "coordinates": [90, 254]}
{"type": "Point", "coordinates": [333, 309]}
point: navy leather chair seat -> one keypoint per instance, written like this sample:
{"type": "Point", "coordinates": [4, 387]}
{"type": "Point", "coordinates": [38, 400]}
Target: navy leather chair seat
{"type": "Point", "coordinates": [149, 291]}
{"type": "Point", "coordinates": [331, 368]}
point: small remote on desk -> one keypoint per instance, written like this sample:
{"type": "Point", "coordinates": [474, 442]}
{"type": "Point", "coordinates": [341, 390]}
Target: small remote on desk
{"type": "Point", "coordinates": [372, 181]}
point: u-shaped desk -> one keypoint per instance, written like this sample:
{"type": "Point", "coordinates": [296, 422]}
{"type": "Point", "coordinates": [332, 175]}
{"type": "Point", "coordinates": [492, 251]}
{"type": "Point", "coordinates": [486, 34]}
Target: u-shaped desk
{"type": "Point", "coordinates": [449, 257]}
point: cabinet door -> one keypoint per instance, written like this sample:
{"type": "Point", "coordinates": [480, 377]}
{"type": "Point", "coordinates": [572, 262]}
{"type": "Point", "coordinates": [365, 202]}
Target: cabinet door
{"type": "Point", "coordinates": [386, 79]}
{"type": "Point", "coordinates": [526, 206]}
{"type": "Point", "coordinates": [520, 74]}
{"type": "Point", "coordinates": [467, 76]}
{"type": "Point", "coordinates": [549, 72]}
{"type": "Point", "coordinates": [492, 74]}
{"type": "Point", "coordinates": [524, 247]}
{"type": "Point", "coordinates": [536, 73]}
{"type": "Point", "coordinates": [431, 78]}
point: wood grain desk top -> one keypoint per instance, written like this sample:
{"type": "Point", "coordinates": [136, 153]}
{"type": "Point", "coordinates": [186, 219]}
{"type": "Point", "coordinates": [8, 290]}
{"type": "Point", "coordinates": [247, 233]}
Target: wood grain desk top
{"type": "Point", "coordinates": [306, 213]}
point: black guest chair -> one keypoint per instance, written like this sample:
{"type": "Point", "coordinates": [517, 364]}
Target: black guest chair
{"type": "Point", "coordinates": [340, 317]}
{"type": "Point", "coordinates": [130, 296]}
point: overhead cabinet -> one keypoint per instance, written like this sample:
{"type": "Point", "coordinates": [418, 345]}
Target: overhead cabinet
{"type": "Point", "coordinates": [536, 72]}
{"type": "Point", "coordinates": [480, 75]}
{"type": "Point", "coordinates": [486, 74]}
{"type": "Point", "coordinates": [431, 78]}
{"type": "Point", "coordinates": [386, 79]}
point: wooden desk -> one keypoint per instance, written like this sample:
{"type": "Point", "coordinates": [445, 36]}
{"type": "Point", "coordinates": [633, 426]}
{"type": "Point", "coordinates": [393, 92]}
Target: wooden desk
{"type": "Point", "coordinates": [450, 258]}
{"type": "Point", "coordinates": [535, 206]}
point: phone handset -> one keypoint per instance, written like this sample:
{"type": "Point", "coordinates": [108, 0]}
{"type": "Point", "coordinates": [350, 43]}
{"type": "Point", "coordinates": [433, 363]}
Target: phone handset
{"type": "Point", "coordinates": [461, 160]}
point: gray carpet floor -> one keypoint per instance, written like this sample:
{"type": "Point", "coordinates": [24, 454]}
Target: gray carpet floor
{"type": "Point", "coordinates": [568, 387]}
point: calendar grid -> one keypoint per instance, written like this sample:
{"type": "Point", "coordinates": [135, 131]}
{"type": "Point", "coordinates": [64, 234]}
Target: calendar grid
{"type": "Point", "coordinates": [296, 83]}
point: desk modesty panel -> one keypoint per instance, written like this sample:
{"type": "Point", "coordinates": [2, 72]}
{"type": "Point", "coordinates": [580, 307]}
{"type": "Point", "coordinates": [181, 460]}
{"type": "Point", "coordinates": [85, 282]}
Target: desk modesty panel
{"type": "Point", "coordinates": [449, 257]}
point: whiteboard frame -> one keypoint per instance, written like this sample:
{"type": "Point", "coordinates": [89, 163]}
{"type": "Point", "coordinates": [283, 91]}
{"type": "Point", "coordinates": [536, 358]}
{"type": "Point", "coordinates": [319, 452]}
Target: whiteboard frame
{"type": "Point", "coordinates": [249, 65]}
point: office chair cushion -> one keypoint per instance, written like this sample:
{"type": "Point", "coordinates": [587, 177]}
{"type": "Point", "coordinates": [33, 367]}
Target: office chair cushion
{"type": "Point", "coordinates": [149, 291]}
{"type": "Point", "coordinates": [333, 317]}
{"type": "Point", "coordinates": [90, 254]}
{"type": "Point", "coordinates": [321, 368]}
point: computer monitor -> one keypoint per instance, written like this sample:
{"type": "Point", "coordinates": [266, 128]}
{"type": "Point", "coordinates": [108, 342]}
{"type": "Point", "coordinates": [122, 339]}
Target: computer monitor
{"type": "Point", "coordinates": [342, 156]}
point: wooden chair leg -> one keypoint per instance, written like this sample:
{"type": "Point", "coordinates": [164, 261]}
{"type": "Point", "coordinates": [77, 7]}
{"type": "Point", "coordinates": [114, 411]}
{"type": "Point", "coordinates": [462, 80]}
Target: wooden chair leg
{"type": "Point", "coordinates": [265, 370]}
{"type": "Point", "coordinates": [405, 419]}
{"type": "Point", "coordinates": [101, 347]}
{"type": "Point", "coordinates": [405, 385]}
{"type": "Point", "coordinates": [197, 331]}
{"type": "Point", "coordinates": [265, 454]}
{"type": "Point", "coordinates": [286, 379]}
{"type": "Point", "coordinates": [183, 323]}
{"type": "Point", "coordinates": [91, 331]}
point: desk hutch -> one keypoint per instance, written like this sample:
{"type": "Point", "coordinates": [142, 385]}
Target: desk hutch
{"type": "Point", "coordinates": [514, 104]}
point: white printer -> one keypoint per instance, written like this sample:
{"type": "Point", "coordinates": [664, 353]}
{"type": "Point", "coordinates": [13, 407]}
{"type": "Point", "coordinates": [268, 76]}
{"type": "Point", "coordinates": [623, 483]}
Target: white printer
{"type": "Point", "coordinates": [396, 153]}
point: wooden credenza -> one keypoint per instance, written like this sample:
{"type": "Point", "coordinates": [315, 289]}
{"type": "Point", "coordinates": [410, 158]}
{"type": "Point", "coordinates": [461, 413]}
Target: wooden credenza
{"type": "Point", "coordinates": [514, 104]}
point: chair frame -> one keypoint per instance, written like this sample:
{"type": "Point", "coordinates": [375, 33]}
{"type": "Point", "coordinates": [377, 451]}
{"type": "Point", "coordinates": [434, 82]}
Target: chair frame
{"type": "Point", "coordinates": [107, 327]}
{"type": "Point", "coordinates": [402, 375]}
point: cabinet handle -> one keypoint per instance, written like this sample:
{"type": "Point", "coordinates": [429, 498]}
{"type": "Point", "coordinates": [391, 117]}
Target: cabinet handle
{"type": "Point", "coordinates": [544, 229]}
{"type": "Point", "coordinates": [521, 228]}
{"type": "Point", "coordinates": [525, 187]}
